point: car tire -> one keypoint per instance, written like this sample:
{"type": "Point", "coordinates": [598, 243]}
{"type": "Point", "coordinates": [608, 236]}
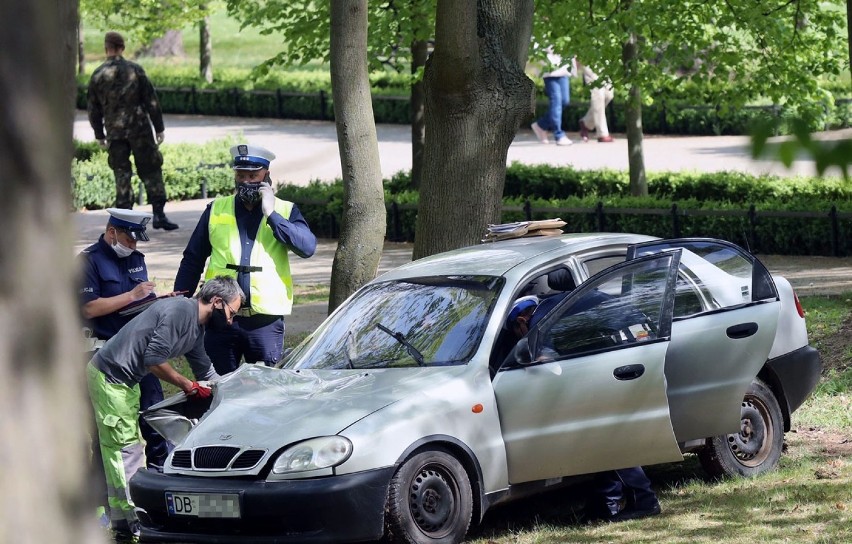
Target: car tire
{"type": "Point", "coordinates": [429, 500]}
{"type": "Point", "coordinates": [757, 447]}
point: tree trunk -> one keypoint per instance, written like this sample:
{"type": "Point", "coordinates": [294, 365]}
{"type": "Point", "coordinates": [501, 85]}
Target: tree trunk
{"type": "Point", "coordinates": [633, 119]}
{"type": "Point", "coordinates": [205, 50]}
{"type": "Point", "coordinates": [42, 392]}
{"type": "Point", "coordinates": [849, 30]}
{"type": "Point", "coordinates": [81, 50]}
{"type": "Point", "coordinates": [477, 96]}
{"type": "Point", "coordinates": [362, 234]}
{"type": "Point", "coordinates": [169, 45]}
{"type": "Point", "coordinates": [419, 54]}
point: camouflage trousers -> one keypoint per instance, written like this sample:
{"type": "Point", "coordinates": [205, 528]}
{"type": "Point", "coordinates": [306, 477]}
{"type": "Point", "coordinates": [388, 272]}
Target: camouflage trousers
{"type": "Point", "coordinates": [149, 162]}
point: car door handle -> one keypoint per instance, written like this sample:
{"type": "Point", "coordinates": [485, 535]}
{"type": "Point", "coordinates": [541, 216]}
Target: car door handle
{"type": "Point", "coordinates": [628, 372]}
{"type": "Point", "coordinates": [743, 330]}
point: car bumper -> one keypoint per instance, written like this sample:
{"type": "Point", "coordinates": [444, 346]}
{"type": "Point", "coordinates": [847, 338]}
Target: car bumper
{"type": "Point", "coordinates": [798, 373]}
{"type": "Point", "coordinates": [333, 509]}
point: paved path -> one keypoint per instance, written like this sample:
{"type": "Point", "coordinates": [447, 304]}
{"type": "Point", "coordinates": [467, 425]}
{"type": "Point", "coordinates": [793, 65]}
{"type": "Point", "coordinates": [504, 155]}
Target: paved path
{"type": "Point", "coordinates": [308, 150]}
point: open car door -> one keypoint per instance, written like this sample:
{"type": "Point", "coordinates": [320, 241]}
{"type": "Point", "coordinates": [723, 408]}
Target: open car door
{"type": "Point", "coordinates": [725, 318]}
{"type": "Point", "coordinates": [584, 391]}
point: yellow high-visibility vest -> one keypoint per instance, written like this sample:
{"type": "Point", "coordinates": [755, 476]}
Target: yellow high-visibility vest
{"type": "Point", "coordinates": [271, 288]}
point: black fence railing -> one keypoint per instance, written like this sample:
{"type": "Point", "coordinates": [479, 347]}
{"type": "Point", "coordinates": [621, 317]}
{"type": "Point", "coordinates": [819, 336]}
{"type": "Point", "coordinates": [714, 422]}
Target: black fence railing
{"type": "Point", "coordinates": [837, 229]}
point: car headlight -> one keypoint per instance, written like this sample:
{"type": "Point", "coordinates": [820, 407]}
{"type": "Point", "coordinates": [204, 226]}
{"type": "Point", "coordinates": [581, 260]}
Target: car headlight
{"type": "Point", "coordinates": [313, 454]}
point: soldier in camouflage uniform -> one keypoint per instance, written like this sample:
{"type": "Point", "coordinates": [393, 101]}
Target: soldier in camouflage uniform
{"type": "Point", "coordinates": [122, 100]}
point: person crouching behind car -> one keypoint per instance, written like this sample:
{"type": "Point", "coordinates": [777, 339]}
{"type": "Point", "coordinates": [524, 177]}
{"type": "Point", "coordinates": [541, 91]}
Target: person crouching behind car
{"type": "Point", "coordinates": [168, 329]}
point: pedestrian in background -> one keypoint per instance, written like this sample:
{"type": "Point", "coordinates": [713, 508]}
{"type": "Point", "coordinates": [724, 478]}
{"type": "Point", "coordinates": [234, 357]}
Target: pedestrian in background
{"type": "Point", "coordinates": [595, 118]}
{"type": "Point", "coordinates": [557, 88]}
{"type": "Point", "coordinates": [248, 236]}
{"type": "Point", "coordinates": [167, 329]}
{"type": "Point", "coordinates": [122, 106]}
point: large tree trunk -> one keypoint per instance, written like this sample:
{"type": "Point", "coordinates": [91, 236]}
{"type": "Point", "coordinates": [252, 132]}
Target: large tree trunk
{"type": "Point", "coordinates": [362, 234]}
{"type": "Point", "coordinates": [419, 54]}
{"type": "Point", "coordinates": [169, 45]}
{"type": "Point", "coordinates": [477, 96]}
{"type": "Point", "coordinates": [205, 50]}
{"type": "Point", "coordinates": [43, 422]}
{"type": "Point", "coordinates": [633, 119]}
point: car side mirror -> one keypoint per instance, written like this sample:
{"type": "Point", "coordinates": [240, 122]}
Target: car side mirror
{"type": "Point", "coordinates": [521, 353]}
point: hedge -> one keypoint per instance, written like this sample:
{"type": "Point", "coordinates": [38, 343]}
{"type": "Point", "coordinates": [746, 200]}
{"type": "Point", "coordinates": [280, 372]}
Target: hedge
{"type": "Point", "coordinates": [662, 117]}
{"type": "Point", "coordinates": [771, 214]}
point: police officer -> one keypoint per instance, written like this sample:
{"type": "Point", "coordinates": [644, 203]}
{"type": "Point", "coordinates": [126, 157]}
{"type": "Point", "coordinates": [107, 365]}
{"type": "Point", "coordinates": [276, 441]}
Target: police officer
{"type": "Point", "coordinates": [122, 100]}
{"type": "Point", "coordinates": [115, 275]}
{"type": "Point", "coordinates": [248, 236]}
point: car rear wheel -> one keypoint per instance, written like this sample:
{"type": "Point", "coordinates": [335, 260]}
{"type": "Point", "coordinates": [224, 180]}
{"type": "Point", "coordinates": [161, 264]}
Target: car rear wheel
{"type": "Point", "coordinates": [429, 500]}
{"type": "Point", "coordinates": [757, 447]}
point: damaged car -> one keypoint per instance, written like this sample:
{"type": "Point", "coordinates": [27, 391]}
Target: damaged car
{"type": "Point", "coordinates": [412, 409]}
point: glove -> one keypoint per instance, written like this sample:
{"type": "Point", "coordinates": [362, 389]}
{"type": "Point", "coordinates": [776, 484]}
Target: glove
{"type": "Point", "coordinates": [103, 143]}
{"type": "Point", "coordinates": [160, 137]}
{"type": "Point", "coordinates": [267, 199]}
{"type": "Point", "coordinates": [198, 391]}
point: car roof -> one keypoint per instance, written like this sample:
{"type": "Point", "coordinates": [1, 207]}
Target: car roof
{"type": "Point", "coordinates": [498, 258]}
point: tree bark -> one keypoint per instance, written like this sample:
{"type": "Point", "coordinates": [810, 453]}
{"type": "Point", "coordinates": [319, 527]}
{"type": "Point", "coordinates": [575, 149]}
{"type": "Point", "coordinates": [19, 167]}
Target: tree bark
{"type": "Point", "coordinates": [419, 54]}
{"type": "Point", "coordinates": [43, 419]}
{"type": "Point", "coordinates": [633, 119]}
{"type": "Point", "coordinates": [169, 45]}
{"type": "Point", "coordinates": [81, 50]}
{"type": "Point", "coordinates": [205, 50]}
{"type": "Point", "coordinates": [359, 247]}
{"type": "Point", "coordinates": [477, 96]}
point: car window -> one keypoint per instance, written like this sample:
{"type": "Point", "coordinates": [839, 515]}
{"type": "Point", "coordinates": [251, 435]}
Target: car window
{"type": "Point", "coordinates": [713, 275]}
{"type": "Point", "coordinates": [428, 321]}
{"type": "Point", "coordinates": [593, 266]}
{"type": "Point", "coordinates": [618, 309]}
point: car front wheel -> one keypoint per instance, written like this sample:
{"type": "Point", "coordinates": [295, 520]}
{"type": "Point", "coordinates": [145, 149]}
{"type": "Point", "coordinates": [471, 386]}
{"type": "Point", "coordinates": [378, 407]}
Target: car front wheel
{"type": "Point", "coordinates": [429, 500]}
{"type": "Point", "coordinates": [757, 447]}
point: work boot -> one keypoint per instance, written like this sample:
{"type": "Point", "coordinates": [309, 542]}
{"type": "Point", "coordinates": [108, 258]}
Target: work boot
{"type": "Point", "coordinates": [160, 219]}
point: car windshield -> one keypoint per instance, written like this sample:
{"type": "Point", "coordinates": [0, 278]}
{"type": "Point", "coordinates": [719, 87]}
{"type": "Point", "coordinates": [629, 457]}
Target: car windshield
{"type": "Point", "coordinates": [428, 321]}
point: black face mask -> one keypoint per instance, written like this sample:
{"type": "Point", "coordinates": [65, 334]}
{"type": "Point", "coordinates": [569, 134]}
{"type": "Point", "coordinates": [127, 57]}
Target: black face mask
{"type": "Point", "coordinates": [249, 193]}
{"type": "Point", "coordinates": [218, 320]}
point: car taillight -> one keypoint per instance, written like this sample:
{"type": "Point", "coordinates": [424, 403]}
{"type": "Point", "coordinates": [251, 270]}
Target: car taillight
{"type": "Point", "coordinates": [799, 305]}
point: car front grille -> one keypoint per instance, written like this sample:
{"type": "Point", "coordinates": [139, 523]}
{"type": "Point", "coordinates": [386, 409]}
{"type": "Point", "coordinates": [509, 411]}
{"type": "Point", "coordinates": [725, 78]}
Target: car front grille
{"type": "Point", "coordinates": [216, 458]}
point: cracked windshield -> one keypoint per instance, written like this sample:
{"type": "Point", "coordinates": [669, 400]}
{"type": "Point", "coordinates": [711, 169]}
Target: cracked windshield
{"type": "Point", "coordinates": [430, 321]}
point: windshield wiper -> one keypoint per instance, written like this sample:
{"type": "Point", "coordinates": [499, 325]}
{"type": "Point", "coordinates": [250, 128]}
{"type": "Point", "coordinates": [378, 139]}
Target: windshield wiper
{"type": "Point", "coordinates": [347, 346]}
{"type": "Point", "coordinates": [399, 337]}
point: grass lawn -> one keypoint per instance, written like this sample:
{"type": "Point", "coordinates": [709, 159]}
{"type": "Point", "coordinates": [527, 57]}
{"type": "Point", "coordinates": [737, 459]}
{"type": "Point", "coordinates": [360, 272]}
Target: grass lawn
{"type": "Point", "coordinates": [232, 47]}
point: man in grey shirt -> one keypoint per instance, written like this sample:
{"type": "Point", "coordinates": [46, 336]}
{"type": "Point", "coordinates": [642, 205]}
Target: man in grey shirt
{"type": "Point", "coordinates": [168, 329]}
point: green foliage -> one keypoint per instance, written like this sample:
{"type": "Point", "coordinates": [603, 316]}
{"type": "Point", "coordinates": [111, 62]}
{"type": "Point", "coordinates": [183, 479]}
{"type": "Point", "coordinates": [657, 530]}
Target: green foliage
{"type": "Point", "coordinates": [831, 154]}
{"type": "Point", "coordinates": [717, 53]}
{"type": "Point", "coordinates": [143, 20]}
{"type": "Point", "coordinates": [185, 167]}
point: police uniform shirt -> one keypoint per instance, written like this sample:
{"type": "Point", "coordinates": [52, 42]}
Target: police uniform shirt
{"type": "Point", "coordinates": [292, 231]}
{"type": "Point", "coordinates": [107, 275]}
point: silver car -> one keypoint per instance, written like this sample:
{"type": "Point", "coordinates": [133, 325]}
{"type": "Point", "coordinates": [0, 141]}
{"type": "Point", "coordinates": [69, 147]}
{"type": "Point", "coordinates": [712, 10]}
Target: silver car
{"type": "Point", "coordinates": [413, 409]}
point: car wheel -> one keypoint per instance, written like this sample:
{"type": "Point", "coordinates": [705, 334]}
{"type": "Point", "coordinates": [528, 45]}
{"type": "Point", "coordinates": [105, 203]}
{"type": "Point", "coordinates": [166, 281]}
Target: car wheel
{"type": "Point", "coordinates": [757, 447]}
{"type": "Point", "coordinates": [429, 500]}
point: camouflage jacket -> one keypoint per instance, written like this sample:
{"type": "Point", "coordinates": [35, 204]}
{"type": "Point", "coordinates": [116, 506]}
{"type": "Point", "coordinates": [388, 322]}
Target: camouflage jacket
{"type": "Point", "coordinates": [121, 100]}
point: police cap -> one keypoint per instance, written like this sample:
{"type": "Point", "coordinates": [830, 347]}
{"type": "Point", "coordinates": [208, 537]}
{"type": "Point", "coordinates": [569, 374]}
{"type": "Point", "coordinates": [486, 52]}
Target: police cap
{"type": "Point", "coordinates": [131, 221]}
{"type": "Point", "coordinates": [251, 157]}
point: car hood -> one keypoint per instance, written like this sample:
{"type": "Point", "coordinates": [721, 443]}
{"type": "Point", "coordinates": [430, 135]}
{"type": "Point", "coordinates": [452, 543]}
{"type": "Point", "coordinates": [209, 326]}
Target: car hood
{"type": "Point", "coordinates": [266, 408]}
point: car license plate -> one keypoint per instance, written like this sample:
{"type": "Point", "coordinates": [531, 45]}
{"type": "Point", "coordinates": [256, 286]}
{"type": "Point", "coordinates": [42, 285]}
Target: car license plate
{"type": "Point", "coordinates": [203, 505]}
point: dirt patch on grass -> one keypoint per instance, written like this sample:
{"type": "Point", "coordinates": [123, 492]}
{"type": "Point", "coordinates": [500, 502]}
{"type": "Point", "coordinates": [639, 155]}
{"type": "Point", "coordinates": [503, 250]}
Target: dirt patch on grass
{"type": "Point", "coordinates": [835, 348]}
{"type": "Point", "coordinates": [825, 442]}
